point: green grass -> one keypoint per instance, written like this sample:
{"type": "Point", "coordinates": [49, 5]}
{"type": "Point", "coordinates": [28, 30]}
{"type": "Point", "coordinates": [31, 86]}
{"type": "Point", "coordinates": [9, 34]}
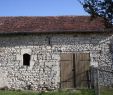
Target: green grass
{"type": "Point", "coordinates": [77, 92]}
{"type": "Point", "coordinates": [106, 91]}
{"type": "Point", "coordinates": [17, 93]}
{"type": "Point", "coordinates": [103, 91]}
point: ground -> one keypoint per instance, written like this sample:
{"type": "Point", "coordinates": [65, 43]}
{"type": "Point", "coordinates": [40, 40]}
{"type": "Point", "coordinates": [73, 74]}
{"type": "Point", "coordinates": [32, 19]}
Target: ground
{"type": "Point", "coordinates": [105, 91]}
{"type": "Point", "coordinates": [77, 92]}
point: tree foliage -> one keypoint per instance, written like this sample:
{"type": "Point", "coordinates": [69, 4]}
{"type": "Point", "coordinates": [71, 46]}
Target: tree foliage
{"type": "Point", "coordinates": [100, 8]}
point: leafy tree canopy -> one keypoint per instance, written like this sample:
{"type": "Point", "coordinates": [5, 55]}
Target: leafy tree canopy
{"type": "Point", "coordinates": [100, 8]}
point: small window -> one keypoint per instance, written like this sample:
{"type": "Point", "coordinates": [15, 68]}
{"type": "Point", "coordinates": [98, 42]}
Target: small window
{"type": "Point", "coordinates": [26, 59]}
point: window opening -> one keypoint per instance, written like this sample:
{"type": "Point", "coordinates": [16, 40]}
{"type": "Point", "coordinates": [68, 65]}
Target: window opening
{"type": "Point", "coordinates": [26, 59]}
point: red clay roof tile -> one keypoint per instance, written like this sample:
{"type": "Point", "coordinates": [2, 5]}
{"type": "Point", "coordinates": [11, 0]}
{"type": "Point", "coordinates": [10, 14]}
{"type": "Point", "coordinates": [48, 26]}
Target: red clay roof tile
{"type": "Point", "coordinates": [49, 24]}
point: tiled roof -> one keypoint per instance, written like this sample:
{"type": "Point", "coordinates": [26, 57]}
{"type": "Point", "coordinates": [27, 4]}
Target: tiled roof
{"type": "Point", "coordinates": [35, 24]}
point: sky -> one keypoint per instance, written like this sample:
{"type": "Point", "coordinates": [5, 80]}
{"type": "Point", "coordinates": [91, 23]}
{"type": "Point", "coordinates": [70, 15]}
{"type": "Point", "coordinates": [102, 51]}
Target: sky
{"type": "Point", "coordinates": [41, 8]}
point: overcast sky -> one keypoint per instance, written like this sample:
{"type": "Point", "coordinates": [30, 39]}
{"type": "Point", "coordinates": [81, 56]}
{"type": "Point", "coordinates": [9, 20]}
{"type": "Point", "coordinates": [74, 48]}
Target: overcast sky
{"type": "Point", "coordinates": [40, 8]}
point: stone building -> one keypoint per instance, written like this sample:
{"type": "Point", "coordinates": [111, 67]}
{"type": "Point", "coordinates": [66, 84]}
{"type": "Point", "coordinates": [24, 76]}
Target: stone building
{"type": "Point", "coordinates": [53, 52]}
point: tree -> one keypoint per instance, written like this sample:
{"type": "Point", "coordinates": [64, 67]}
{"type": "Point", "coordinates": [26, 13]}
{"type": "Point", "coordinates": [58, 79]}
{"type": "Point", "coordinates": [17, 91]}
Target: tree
{"type": "Point", "coordinates": [100, 8]}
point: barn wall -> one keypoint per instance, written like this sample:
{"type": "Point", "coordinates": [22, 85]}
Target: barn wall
{"type": "Point", "coordinates": [45, 50]}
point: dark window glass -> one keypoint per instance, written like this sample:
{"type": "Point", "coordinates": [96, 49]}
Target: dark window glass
{"type": "Point", "coordinates": [26, 59]}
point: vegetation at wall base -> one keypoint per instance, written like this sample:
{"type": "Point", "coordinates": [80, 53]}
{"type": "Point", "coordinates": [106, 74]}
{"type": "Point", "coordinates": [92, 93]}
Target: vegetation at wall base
{"type": "Point", "coordinates": [68, 92]}
{"type": "Point", "coordinates": [106, 91]}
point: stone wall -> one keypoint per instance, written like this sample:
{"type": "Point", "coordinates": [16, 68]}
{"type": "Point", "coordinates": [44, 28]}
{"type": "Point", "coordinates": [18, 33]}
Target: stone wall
{"type": "Point", "coordinates": [45, 50]}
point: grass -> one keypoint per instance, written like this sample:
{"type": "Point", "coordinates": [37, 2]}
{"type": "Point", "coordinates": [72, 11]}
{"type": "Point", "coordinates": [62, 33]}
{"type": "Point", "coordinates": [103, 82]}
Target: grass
{"type": "Point", "coordinates": [106, 91]}
{"type": "Point", "coordinates": [103, 91]}
{"type": "Point", "coordinates": [77, 92]}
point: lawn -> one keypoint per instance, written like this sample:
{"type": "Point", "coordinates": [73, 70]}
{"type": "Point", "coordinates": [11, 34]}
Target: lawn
{"type": "Point", "coordinates": [106, 91]}
{"type": "Point", "coordinates": [77, 92]}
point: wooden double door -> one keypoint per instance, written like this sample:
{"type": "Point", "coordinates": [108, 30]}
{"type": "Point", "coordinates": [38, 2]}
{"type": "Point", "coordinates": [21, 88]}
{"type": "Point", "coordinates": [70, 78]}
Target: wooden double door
{"type": "Point", "coordinates": [74, 70]}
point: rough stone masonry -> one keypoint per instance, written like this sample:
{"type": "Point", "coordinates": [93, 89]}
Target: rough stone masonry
{"type": "Point", "coordinates": [45, 50]}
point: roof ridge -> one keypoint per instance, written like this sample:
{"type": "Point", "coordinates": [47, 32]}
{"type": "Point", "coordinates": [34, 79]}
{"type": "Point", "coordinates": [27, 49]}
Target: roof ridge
{"type": "Point", "coordinates": [49, 16]}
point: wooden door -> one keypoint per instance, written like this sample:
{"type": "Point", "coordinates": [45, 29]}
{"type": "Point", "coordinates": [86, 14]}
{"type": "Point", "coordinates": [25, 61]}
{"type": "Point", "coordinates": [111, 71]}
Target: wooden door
{"type": "Point", "coordinates": [74, 70]}
{"type": "Point", "coordinates": [66, 67]}
{"type": "Point", "coordinates": [82, 74]}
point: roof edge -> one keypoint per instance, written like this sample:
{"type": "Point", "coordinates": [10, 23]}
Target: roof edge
{"type": "Point", "coordinates": [59, 32]}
